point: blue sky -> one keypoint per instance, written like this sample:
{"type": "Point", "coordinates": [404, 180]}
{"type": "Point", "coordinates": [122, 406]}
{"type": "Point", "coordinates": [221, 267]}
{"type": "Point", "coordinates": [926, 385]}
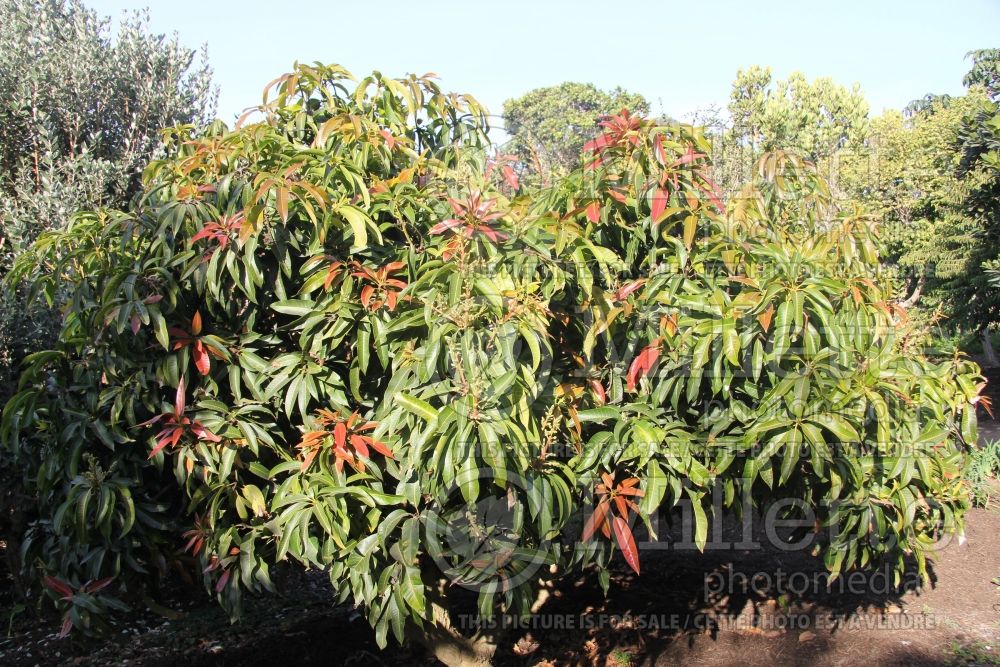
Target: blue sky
{"type": "Point", "coordinates": [681, 56]}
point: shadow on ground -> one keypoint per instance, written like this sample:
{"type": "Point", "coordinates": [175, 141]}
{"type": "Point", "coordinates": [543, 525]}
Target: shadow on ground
{"type": "Point", "coordinates": [751, 607]}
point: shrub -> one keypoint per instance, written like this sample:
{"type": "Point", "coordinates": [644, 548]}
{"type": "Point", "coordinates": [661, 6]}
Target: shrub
{"type": "Point", "coordinates": [329, 337]}
{"type": "Point", "coordinates": [982, 471]}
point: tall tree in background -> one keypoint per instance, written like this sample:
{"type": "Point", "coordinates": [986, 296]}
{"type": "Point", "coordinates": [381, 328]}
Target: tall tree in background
{"type": "Point", "coordinates": [747, 103]}
{"type": "Point", "coordinates": [814, 120]}
{"type": "Point", "coordinates": [549, 126]}
{"type": "Point", "coordinates": [985, 71]}
{"type": "Point", "coordinates": [931, 175]}
{"type": "Point", "coordinates": [80, 115]}
{"type": "Point", "coordinates": [974, 296]}
{"type": "Point", "coordinates": [906, 176]}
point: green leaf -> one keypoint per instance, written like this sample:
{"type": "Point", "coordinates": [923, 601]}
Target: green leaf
{"type": "Point", "coordinates": [412, 587]}
{"type": "Point", "coordinates": [359, 222]}
{"type": "Point", "coordinates": [296, 307]}
{"type": "Point", "coordinates": [837, 425]}
{"type": "Point", "coordinates": [700, 519]}
{"type": "Point", "coordinates": [418, 407]}
{"type": "Point", "coordinates": [598, 414]}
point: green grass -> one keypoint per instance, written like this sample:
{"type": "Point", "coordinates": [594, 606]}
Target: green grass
{"type": "Point", "coordinates": [976, 653]}
{"type": "Point", "coordinates": [982, 469]}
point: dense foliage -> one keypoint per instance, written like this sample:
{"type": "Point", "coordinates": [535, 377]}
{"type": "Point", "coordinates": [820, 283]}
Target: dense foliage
{"type": "Point", "coordinates": [80, 116]}
{"type": "Point", "coordinates": [329, 335]}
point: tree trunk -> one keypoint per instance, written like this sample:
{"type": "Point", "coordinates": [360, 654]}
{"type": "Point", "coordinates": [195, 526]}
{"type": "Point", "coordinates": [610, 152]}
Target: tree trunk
{"type": "Point", "coordinates": [989, 353]}
{"type": "Point", "coordinates": [915, 296]}
{"type": "Point", "coordinates": [456, 651]}
{"type": "Point", "coordinates": [446, 642]}
{"type": "Point", "coordinates": [449, 645]}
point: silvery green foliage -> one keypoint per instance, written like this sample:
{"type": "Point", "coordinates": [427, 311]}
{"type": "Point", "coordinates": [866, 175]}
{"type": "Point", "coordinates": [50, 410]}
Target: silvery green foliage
{"type": "Point", "coordinates": [81, 111]}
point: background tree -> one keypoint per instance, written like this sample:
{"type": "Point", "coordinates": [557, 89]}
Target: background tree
{"type": "Point", "coordinates": [930, 175]}
{"type": "Point", "coordinates": [974, 301]}
{"type": "Point", "coordinates": [549, 126]}
{"type": "Point", "coordinates": [80, 115]}
{"type": "Point", "coordinates": [747, 102]}
{"type": "Point", "coordinates": [905, 175]}
{"type": "Point", "coordinates": [814, 120]}
{"type": "Point", "coordinates": [985, 71]}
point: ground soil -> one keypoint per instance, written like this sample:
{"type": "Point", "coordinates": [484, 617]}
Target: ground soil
{"type": "Point", "coordinates": [699, 609]}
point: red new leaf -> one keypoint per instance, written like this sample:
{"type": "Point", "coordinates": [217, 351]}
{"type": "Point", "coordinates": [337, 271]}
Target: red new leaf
{"type": "Point", "coordinates": [626, 542]}
{"type": "Point", "coordinates": [660, 199]}
{"type": "Point", "coordinates": [510, 176]}
{"type": "Point", "coordinates": [223, 580]}
{"type": "Point", "coordinates": [348, 444]}
{"type": "Point", "coordinates": [176, 424]}
{"type": "Point", "coordinates": [200, 355]}
{"type": "Point", "coordinates": [390, 140]}
{"type": "Point", "coordinates": [180, 398]}
{"type": "Point", "coordinates": [689, 156]}
{"type": "Point", "coordinates": [642, 364]}
{"type": "Point", "coordinates": [100, 584]}
{"type": "Point", "coordinates": [599, 394]}
{"type": "Point", "coordinates": [625, 290]}
{"type": "Point", "coordinates": [658, 151]}
{"type": "Point", "coordinates": [199, 350]}
{"type": "Point", "coordinates": [61, 588]}
{"type": "Point", "coordinates": [472, 218]}
{"type": "Point", "coordinates": [340, 434]}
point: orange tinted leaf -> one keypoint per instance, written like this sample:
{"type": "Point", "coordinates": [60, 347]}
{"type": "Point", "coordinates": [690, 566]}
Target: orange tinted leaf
{"type": "Point", "coordinates": [669, 323]}
{"type": "Point", "coordinates": [359, 445]}
{"type": "Point", "coordinates": [282, 204]}
{"type": "Point", "coordinates": [340, 435]}
{"type": "Point", "coordinates": [765, 317]}
{"type": "Point", "coordinates": [366, 296]}
{"type": "Point", "coordinates": [380, 447]}
{"type": "Point", "coordinates": [622, 505]}
{"type": "Point", "coordinates": [308, 459]}
{"type": "Point", "coordinates": [596, 520]}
